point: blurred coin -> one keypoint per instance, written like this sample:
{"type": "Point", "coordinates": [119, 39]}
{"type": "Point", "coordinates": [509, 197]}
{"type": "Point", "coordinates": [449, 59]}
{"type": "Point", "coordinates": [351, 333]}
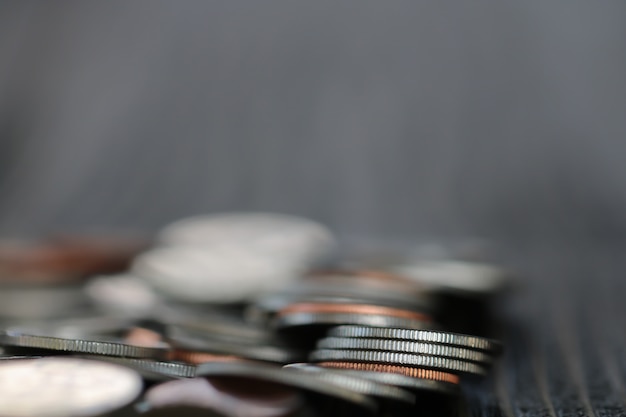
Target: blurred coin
{"type": "Point", "coordinates": [263, 373]}
{"type": "Point", "coordinates": [313, 313]}
{"type": "Point", "coordinates": [218, 274]}
{"type": "Point", "coordinates": [122, 294]}
{"type": "Point", "coordinates": [430, 336]}
{"type": "Point", "coordinates": [198, 357]}
{"type": "Point", "coordinates": [97, 347]}
{"type": "Point", "coordinates": [270, 234]}
{"type": "Point", "coordinates": [242, 399]}
{"type": "Point", "coordinates": [63, 260]}
{"type": "Point", "coordinates": [64, 387]}
{"type": "Point", "coordinates": [394, 358]}
{"type": "Point", "coordinates": [468, 278]}
{"type": "Point", "coordinates": [405, 346]}
{"type": "Point", "coordinates": [180, 339]}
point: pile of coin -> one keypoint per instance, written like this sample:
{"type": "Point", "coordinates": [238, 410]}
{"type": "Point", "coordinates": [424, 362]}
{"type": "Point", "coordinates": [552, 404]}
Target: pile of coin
{"type": "Point", "coordinates": [238, 314]}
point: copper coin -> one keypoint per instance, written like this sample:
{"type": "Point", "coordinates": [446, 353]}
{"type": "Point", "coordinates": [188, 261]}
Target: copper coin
{"type": "Point", "coordinates": [64, 260]}
{"type": "Point", "coordinates": [367, 309]}
{"type": "Point", "coordinates": [196, 358]}
{"type": "Point", "coordinates": [394, 369]}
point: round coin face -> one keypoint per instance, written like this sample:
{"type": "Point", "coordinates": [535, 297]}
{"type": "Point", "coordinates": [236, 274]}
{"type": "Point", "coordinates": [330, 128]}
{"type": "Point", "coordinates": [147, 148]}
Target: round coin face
{"type": "Point", "coordinates": [217, 273]}
{"type": "Point", "coordinates": [268, 231]}
{"type": "Point", "coordinates": [64, 387]}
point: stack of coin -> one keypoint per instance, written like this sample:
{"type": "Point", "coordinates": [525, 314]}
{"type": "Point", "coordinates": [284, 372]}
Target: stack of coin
{"type": "Point", "coordinates": [303, 312]}
{"type": "Point", "coordinates": [410, 358]}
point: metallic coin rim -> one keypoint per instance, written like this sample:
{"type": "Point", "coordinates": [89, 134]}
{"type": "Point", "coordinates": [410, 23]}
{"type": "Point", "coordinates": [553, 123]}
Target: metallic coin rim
{"type": "Point", "coordinates": [161, 368]}
{"type": "Point", "coordinates": [405, 346]}
{"type": "Point", "coordinates": [406, 382]}
{"type": "Point", "coordinates": [363, 385]}
{"type": "Point", "coordinates": [421, 335]}
{"type": "Point", "coordinates": [407, 371]}
{"type": "Point", "coordinates": [308, 319]}
{"type": "Point", "coordinates": [14, 338]}
{"type": "Point", "coordinates": [422, 361]}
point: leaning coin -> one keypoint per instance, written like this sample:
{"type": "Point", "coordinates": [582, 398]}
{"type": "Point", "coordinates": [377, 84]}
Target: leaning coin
{"type": "Point", "coordinates": [94, 347]}
{"type": "Point", "coordinates": [392, 345]}
{"type": "Point", "coordinates": [358, 384]}
{"type": "Point", "coordinates": [65, 387]}
{"type": "Point", "coordinates": [153, 370]}
{"type": "Point", "coordinates": [430, 336]}
{"type": "Point", "coordinates": [261, 353]}
{"type": "Point", "coordinates": [275, 374]}
{"type": "Point", "coordinates": [395, 379]}
{"type": "Point", "coordinates": [435, 362]}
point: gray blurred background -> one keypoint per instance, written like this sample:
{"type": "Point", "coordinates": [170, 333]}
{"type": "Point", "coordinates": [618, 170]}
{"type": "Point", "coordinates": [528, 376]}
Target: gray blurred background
{"type": "Point", "coordinates": [504, 119]}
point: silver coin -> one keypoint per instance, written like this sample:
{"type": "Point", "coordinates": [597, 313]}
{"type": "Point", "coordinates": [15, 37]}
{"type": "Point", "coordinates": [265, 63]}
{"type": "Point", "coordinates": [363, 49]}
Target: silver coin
{"type": "Point", "coordinates": [263, 352]}
{"type": "Point", "coordinates": [358, 384]}
{"type": "Point", "coordinates": [272, 234]}
{"type": "Point", "coordinates": [429, 336]}
{"type": "Point", "coordinates": [455, 276]}
{"type": "Point", "coordinates": [65, 387]}
{"type": "Point", "coordinates": [406, 382]}
{"type": "Point", "coordinates": [405, 346]}
{"type": "Point", "coordinates": [218, 274]}
{"type": "Point", "coordinates": [20, 339]}
{"type": "Point", "coordinates": [422, 361]}
{"type": "Point", "coordinates": [308, 319]}
{"type": "Point", "coordinates": [151, 369]}
{"type": "Point", "coordinates": [300, 380]}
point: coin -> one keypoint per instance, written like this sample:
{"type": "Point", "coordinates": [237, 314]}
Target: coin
{"type": "Point", "coordinates": [96, 347]}
{"type": "Point", "coordinates": [422, 361]}
{"type": "Point", "coordinates": [348, 308]}
{"type": "Point", "coordinates": [311, 319]}
{"type": "Point", "coordinates": [469, 278]}
{"type": "Point", "coordinates": [405, 346]}
{"type": "Point", "coordinates": [382, 374]}
{"type": "Point", "coordinates": [196, 358]}
{"type": "Point", "coordinates": [262, 353]}
{"type": "Point", "coordinates": [275, 374]}
{"type": "Point", "coordinates": [271, 234]}
{"type": "Point", "coordinates": [430, 336]}
{"type": "Point", "coordinates": [218, 274]}
{"type": "Point", "coordinates": [151, 369]}
{"type": "Point", "coordinates": [411, 372]}
{"type": "Point", "coordinates": [65, 387]}
{"type": "Point", "coordinates": [266, 400]}
{"type": "Point", "coordinates": [63, 260]}
{"type": "Point", "coordinates": [358, 384]}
